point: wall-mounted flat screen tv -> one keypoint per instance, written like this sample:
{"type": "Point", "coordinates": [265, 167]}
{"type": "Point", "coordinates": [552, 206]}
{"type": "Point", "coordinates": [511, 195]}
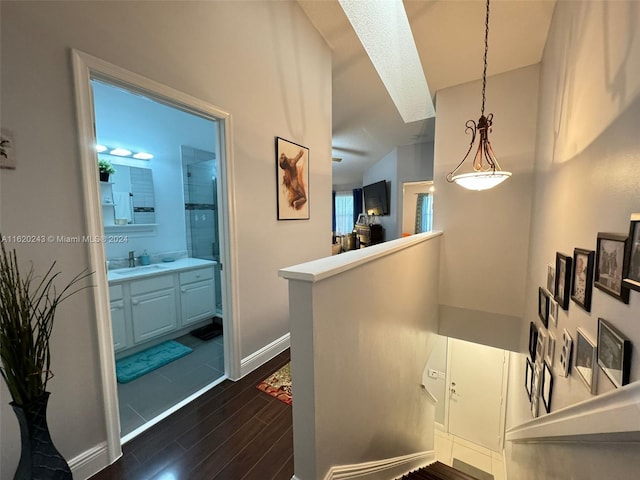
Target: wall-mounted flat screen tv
{"type": "Point", "coordinates": [376, 198]}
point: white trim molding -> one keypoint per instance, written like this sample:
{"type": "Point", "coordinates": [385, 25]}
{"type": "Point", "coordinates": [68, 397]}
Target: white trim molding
{"type": "Point", "coordinates": [382, 469]}
{"type": "Point", "coordinates": [88, 463]}
{"type": "Point", "coordinates": [266, 353]}
{"type": "Point", "coordinates": [605, 418]}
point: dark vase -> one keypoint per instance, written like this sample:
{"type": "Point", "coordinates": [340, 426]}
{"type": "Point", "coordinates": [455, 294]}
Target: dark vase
{"type": "Point", "coordinates": [39, 459]}
{"type": "Point", "coordinates": [104, 176]}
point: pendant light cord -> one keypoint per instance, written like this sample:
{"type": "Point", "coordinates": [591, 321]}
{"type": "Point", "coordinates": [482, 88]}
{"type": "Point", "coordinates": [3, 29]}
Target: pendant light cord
{"type": "Point", "coordinates": [486, 49]}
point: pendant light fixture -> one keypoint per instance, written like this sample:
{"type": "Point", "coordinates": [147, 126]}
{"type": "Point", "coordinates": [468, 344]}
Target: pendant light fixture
{"type": "Point", "coordinates": [486, 170]}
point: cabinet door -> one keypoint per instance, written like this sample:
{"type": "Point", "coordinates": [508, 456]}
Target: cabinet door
{"type": "Point", "coordinates": [153, 314]}
{"type": "Point", "coordinates": [198, 301]}
{"type": "Point", "coordinates": [118, 325]}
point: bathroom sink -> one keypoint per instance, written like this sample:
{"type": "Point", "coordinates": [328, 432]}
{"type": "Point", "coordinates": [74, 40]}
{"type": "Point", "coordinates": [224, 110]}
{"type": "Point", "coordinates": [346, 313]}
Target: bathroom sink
{"type": "Point", "coordinates": [141, 269]}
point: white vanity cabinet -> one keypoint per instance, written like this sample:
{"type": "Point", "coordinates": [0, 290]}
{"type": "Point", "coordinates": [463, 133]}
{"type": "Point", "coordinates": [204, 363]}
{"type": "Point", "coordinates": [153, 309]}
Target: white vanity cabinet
{"type": "Point", "coordinates": [118, 317]}
{"type": "Point", "coordinates": [197, 295]}
{"type": "Point", "coordinates": [153, 307]}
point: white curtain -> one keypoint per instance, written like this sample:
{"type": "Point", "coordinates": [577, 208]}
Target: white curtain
{"type": "Point", "coordinates": [424, 213]}
{"type": "Point", "coordinates": [344, 212]}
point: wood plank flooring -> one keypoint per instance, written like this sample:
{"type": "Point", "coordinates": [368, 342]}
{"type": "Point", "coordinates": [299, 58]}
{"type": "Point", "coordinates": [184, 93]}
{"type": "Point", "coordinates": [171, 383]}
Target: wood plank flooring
{"type": "Point", "coordinates": [233, 432]}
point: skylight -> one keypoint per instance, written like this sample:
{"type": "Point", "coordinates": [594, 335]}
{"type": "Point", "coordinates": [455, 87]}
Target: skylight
{"type": "Point", "coordinates": [383, 28]}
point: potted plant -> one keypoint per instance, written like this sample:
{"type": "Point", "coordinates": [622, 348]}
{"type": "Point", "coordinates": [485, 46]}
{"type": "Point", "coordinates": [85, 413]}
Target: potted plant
{"type": "Point", "coordinates": [105, 168]}
{"type": "Point", "coordinates": [27, 309]}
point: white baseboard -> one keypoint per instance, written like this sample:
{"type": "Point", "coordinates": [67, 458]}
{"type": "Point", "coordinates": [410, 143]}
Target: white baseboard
{"type": "Point", "coordinates": [266, 353]}
{"type": "Point", "coordinates": [381, 469]}
{"type": "Point", "coordinates": [90, 462]}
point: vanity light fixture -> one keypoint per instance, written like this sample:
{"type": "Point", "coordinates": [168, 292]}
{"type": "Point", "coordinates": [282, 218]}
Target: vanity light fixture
{"type": "Point", "coordinates": [486, 170]}
{"type": "Point", "coordinates": [120, 152]}
{"type": "Point", "coordinates": [123, 152]}
{"type": "Point", "coordinates": [101, 148]}
{"type": "Point", "coordinates": [143, 156]}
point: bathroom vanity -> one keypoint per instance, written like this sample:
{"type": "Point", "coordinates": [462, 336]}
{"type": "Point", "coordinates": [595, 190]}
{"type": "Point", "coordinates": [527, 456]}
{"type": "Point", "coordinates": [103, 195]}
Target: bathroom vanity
{"type": "Point", "coordinates": [159, 301]}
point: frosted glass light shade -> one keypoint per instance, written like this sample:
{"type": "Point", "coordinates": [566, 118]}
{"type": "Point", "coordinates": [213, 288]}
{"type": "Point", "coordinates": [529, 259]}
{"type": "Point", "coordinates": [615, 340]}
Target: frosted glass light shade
{"type": "Point", "coordinates": [480, 180]}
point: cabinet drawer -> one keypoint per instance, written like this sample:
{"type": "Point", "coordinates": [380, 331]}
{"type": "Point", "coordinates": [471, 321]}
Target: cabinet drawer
{"type": "Point", "coordinates": [196, 275]}
{"type": "Point", "coordinates": [116, 292]}
{"type": "Point", "coordinates": [151, 284]}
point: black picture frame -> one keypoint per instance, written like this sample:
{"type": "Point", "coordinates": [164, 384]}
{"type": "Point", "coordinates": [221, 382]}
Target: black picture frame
{"type": "Point", "coordinates": [611, 265]}
{"type": "Point", "coordinates": [586, 359]}
{"type": "Point", "coordinates": [582, 284]}
{"type": "Point", "coordinates": [551, 280]}
{"type": "Point", "coordinates": [563, 280]}
{"type": "Point", "coordinates": [543, 306]}
{"type": "Point", "coordinates": [566, 352]}
{"type": "Point", "coordinates": [292, 180]}
{"type": "Point", "coordinates": [528, 378]}
{"type": "Point", "coordinates": [614, 353]}
{"type": "Point", "coordinates": [632, 256]}
{"type": "Point", "coordinates": [547, 386]}
{"type": "Point", "coordinates": [533, 341]}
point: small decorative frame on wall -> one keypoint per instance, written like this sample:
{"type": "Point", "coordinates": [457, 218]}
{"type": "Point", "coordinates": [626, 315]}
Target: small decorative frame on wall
{"type": "Point", "coordinates": [543, 306]}
{"type": "Point", "coordinates": [547, 386]}
{"type": "Point", "coordinates": [551, 280]}
{"type": "Point", "coordinates": [614, 353]}
{"type": "Point", "coordinates": [528, 378]}
{"type": "Point", "coordinates": [563, 280]}
{"type": "Point", "coordinates": [550, 349]}
{"type": "Point", "coordinates": [582, 277]}
{"type": "Point", "coordinates": [565, 353]}
{"type": "Point", "coordinates": [611, 265]}
{"type": "Point", "coordinates": [292, 173]}
{"type": "Point", "coordinates": [533, 340]}
{"type": "Point", "coordinates": [553, 312]}
{"type": "Point", "coordinates": [586, 359]}
{"type": "Point", "coordinates": [632, 256]}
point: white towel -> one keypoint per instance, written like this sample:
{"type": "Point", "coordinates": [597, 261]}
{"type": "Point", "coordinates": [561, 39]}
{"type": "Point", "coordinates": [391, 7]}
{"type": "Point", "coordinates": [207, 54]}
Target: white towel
{"type": "Point", "coordinates": [122, 207]}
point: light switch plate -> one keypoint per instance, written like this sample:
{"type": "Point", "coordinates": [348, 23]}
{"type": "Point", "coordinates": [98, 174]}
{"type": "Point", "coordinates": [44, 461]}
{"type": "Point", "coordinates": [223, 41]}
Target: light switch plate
{"type": "Point", "coordinates": [8, 153]}
{"type": "Point", "coordinates": [433, 373]}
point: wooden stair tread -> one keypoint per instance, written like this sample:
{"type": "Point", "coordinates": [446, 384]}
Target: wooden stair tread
{"type": "Point", "coordinates": [437, 471]}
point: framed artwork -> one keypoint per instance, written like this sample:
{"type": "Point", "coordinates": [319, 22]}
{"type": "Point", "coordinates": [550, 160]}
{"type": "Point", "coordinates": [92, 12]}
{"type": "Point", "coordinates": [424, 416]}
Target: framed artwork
{"type": "Point", "coordinates": [610, 265]}
{"type": "Point", "coordinates": [551, 279]}
{"type": "Point", "coordinates": [582, 277]}
{"type": "Point", "coordinates": [528, 378]}
{"type": "Point", "coordinates": [292, 173]}
{"type": "Point", "coordinates": [535, 391]}
{"type": "Point", "coordinates": [586, 359]}
{"type": "Point", "coordinates": [533, 341]}
{"type": "Point", "coordinates": [565, 353]}
{"type": "Point", "coordinates": [547, 386]}
{"type": "Point", "coordinates": [632, 257]}
{"type": "Point", "coordinates": [563, 280]}
{"type": "Point", "coordinates": [542, 342]}
{"type": "Point", "coordinates": [543, 306]}
{"type": "Point", "coordinates": [614, 353]}
{"type": "Point", "coordinates": [550, 349]}
{"type": "Point", "coordinates": [553, 312]}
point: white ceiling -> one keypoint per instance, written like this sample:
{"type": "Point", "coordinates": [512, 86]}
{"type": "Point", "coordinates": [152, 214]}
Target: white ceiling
{"type": "Point", "coordinates": [449, 35]}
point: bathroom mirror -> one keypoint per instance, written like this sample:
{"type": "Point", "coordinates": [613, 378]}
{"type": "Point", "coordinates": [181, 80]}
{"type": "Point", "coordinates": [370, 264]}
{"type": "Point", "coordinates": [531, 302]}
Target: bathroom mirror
{"type": "Point", "coordinates": [133, 196]}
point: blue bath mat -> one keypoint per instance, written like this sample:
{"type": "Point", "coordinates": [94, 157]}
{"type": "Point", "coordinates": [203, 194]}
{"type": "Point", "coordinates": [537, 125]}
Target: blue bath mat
{"type": "Point", "coordinates": [141, 363]}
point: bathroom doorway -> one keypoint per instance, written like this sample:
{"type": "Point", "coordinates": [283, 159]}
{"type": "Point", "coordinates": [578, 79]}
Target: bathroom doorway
{"type": "Point", "coordinates": [158, 288]}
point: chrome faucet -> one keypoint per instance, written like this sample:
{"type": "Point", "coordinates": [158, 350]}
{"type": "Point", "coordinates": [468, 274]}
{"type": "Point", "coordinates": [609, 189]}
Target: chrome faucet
{"type": "Point", "coordinates": [132, 259]}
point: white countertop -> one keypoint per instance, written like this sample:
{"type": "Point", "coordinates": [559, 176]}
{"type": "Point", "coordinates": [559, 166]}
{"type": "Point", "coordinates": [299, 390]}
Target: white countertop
{"type": "Point", "coordinates": [122, 274]}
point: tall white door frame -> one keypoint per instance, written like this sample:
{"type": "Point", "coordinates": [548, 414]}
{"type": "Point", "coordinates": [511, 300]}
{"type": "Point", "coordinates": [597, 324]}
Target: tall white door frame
{"type": "Point", "coordinates": [85, 68]}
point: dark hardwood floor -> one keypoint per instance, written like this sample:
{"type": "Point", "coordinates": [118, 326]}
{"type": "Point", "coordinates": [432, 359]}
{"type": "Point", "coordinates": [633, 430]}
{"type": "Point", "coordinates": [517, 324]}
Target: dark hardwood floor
{"type": "Point", "coordinates": [233, 432]}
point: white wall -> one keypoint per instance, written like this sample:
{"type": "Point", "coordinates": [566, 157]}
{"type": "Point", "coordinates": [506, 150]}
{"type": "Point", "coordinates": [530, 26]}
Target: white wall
{"type": "Point", "coordinates": [351, 348]}
{"type": "Point", "coordinates": [261, 61]}
{"type": "Point", "coordinates": [486, 234]}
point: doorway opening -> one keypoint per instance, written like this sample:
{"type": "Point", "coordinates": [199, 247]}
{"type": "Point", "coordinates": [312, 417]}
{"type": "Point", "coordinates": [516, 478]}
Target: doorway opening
{"type": "Point", "coordinates": [158, 288]}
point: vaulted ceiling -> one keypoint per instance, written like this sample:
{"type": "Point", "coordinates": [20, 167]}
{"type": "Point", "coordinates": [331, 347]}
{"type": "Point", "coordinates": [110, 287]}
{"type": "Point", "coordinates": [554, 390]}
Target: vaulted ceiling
{"type": "Point", "coordinates": [449, 35]}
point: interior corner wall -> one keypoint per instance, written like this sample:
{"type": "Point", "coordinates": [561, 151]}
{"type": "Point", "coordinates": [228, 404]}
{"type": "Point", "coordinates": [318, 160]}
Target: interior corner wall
{"type": "Point", "coordinates": [486, 234]}
{"type": "Point", "coordinates": [261, 61]}
{"type": "Point", "coordinates": [587, 181]}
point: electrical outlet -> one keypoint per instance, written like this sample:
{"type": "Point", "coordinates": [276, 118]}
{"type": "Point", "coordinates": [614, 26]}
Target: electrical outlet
{"type": "Point", "coordinates": [441, 375]}
{"type": "Point", "coordinates": [433, 373]}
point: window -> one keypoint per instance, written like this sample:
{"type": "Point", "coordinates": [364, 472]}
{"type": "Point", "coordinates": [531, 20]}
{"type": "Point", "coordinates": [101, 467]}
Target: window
{"type": "Point", "coordinates": [344, 212]}
{"type": "Point", "coordinates": [424, 212]}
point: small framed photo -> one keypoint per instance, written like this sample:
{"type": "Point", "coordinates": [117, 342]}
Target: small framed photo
{"type": "Point", "coordinates": [632, 257]}
{"type": "Point", "coordinates": [586, 359]}
{"type": "Point", "coordinates": [543, 306]}
{"type": "Point", "coordinates": [547, 386]}
{"type": "Point", "coordinates": [582, 277]}
{"type": "Point", "coordinates": [292, 174]}
{"type": "Point", "coordinates": [553, 312]}
{"type": "Point", "coordinates": [563, 280]}
{"type": "Point", "coordinates": [551, 279]}
{"type": "Point", "coordinates": [535, 390]}
{"type": "Point", "coordinates": [528, 378]}
{"type": "Point", "coordinates": [610, 265]}
{"type": "Point", "coordinates": [550, 349]}
{"type": "Point", "coordinates": [565, 353]}
{"type": "Point", "coordinates": [614, 353]}
{"type": "Point", "coordinates": [533, 340]}
{"type": "Point", "coordinates": [542, 342]}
